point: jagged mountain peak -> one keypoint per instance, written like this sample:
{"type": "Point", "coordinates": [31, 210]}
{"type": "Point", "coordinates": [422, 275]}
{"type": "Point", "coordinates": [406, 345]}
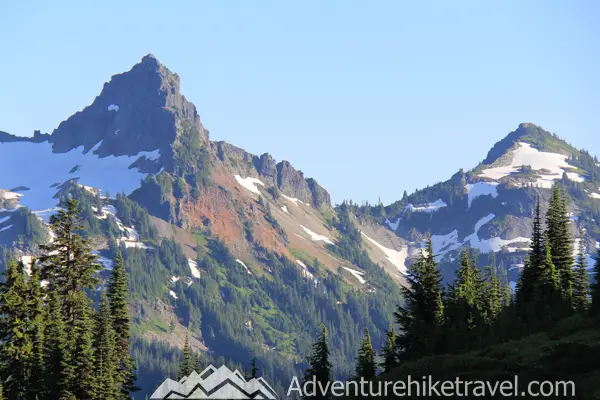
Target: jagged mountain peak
{"type": "Point", "coordinates": [138, 110]}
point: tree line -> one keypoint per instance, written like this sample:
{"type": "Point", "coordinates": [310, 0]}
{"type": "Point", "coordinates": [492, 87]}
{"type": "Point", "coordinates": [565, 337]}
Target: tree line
{"type": "Point", "coordinates": [55, 343]}
{"type": "Point", "coordinates": [479, 308]}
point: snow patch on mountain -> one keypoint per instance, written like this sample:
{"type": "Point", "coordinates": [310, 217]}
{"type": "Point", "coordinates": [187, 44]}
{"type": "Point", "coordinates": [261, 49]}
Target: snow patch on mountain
{"type": "Point", "coordinates": [595, 195]}
{"type": "Point", "coordinates": [244, 265]}
{"type": "Point", "coordinates": [305, 271]}
{"type": "Point", "coordinates": [106, 263]}
{"type": "Point", "coordinates": [11, 210]}
{"type": "Point", "coordinates": [393, 225]}
{"type": "Point", "coordinates": [443, 244]}
{"type": "Point", "coordinates": [45, 215]}
{"type": "Point", "coordinates": [172, 294]}
{"type": "Point", "coordinates": [5, 228]}
{"type": "Point", "coordinates": [294, 200]}
{"type": "Point", "coordinates": [194, 268]}
{"type": "Point", "coordinates": [4, 219]}
{"type": "Point", "coordinates": [113, 107]}
{"type": "Point", "coordinates": [249, 183]}
{"type": "Point", "coordinates": [429, 207]}
{"type": "Point", "coordinates": [9, 195]}
{"type": "Point", "coordinates": [284, 209]}
{"type": "Point", "coordinates": [357, 274]}
{"type": "Point", "coordinates": [175, 279]}
{"type": "Point", "coordinates": [494, 244]}
{"type": "Point", "coordinates": [397, 258]}
{"type": "Point", "coordinates": [524, 154]}
{"type": "Point", "coordinates": [107, 173]}
{"type": "Point", "coordinates": [315, 237]}
{"type": "Point", "coordinates": [478, 189]}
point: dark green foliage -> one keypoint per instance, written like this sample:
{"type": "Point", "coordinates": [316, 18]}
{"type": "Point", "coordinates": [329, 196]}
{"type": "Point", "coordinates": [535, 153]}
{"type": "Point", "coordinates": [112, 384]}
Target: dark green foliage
{"type": "Point", "coordinates": [187, 363]}
{"type": "Point", "coordinates": [423, 313]}
{"type": "Point", "coordinates": [319, 365]}
{"type": "Point", "coordinates": [465, 307]}
{"type": "Point", "coordinates": [197, 366]}
{"type": "Point", "coordinates": [37, 318]}
{"type": "Point", "coordinates": [560, 241]}
{"type": "Point", "coordinates": [581, 283]}
{"type": "Point", "coordinates": [16, 347]}
{"type": "Point", "coordinates": [365, 365]}
{"type": "Point", "coordinates": [388, 352]}
{"type": "Point", "coordinates": [132, 214]}
{"type": "Point", "coordinates": [57, 358]}
{"type": "Point", "coordinates": [106, 361]}
{"type": "Point", "coordinates": [119, 311]}
{"type": "Point", "coordinates": [595, 288]}
{"type": "Point", "coordinates": [80, 341]}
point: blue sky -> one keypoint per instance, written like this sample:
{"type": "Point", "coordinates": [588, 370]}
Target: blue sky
{"type": "Point", "coordinates": [369, 97]}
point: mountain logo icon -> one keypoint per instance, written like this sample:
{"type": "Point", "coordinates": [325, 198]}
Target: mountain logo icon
{"type": "Point", "coordinates": [213, 383]}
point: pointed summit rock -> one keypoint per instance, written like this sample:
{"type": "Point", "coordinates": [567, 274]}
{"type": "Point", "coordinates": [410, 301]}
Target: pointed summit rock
{"type": "Point", "coordinates": [138, 110]}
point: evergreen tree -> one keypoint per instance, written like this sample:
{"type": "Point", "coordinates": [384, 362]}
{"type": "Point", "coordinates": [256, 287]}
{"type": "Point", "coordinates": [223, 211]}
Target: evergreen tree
{"type": "Point", "coordinates": [529, 276]}
{"type": "Point", "coordinates": [16, 349]}
{"type": "Point", "coordinates": [253, 370]}
{"type": "Point", "coordinates": [466, 298]}
{"type": "Point", "coordinates": [57, 367]}
{"type": "Point", "coordinates": [83, 385]}
{"type": "Point", "coordinates": [105, 354]}
{"type": "Point", "coordinates": [197, 366]}
{"type": "Point", "coordinates": [37, 320]}
{"type": "Point", "coordinates": [561, 243]}
{"type": "Point", "coordinates": [71, 268]}
{"type": "Point", "coordinates": [581, 281]}
{"type": "Point", "coordinates": [537, 252]}
{"type": "Point", "coordinates": [69, 265]}
{"type": "Point", "coordinates": [365, 366]}
{"type": "Point", "coordinates": [119, 310]}
{"type": "Point", "coordinates": [186, 363]}
{"type": "Point", "coordinates": [390, 359]}
{"type": "Point", "coordinates": [548, 279]}
{"type": "Point", "coordinates": [494, 295]}
{"type": "Point", "coordinates": [423, 312]}
{"type": "Point", "coordinates": [319, 365]}
{"type": "Point", "coordinates": [595, 287]}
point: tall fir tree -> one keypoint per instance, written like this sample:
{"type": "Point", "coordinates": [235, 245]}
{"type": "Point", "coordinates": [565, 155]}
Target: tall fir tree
{"type": "Point", "coordinates": [319, 364]}
{"type": "Point", "coordinates": [462, 311]}
{"type": "Point", "coordinates": [561, 243]}
{"type": "Point", "coordinates": [493, 295]}
{"type": "Point", "coordinates": [581, 283]}
{"type": "Point", "coordinates": [253, 369]}
{"type": "Point", "coordinates": [186, 364]}
{"type": "Point", "coordinates": [82, 349]}
{"type": "Point", "coordinates": [37, 318]}
{"type": "Point", "coordinates": [388, 352]}
{"type": "Point", "coordinates": [595, 288]}
{"type": "Point", "coordinates": [71, 268]}
{"type": "Point", "coordinates": [16, 350]}
{"type": "Point", "coordinates": [119, 309]}
{"type": "Point", "coordinates": [106, 362]}
{"type": "Point", "coordinates": [529, 276]}
{"type": "Point", "coordinates": [423, 312]}
{"type": "Point", "coordinates": [69, 265]}
{"type": "Point", "coordinates": [365, 366]}
{"type": "Point", "coordinates": [197, 366]}
{"type": "Point", "coordinates": [57, 366]}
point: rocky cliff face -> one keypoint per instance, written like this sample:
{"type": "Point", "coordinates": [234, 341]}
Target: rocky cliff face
{"type": "Point", "coordinates": [139, 110]}
{"type": "Point", "coordinates": [288, 180]}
